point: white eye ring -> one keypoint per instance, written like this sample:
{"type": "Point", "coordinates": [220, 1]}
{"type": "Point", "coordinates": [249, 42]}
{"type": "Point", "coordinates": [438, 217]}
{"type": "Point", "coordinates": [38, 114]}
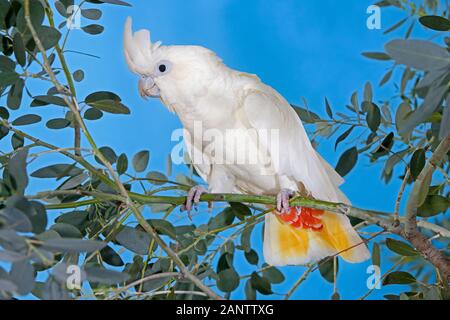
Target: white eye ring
{"type": "Point", "coordinates": [163, 67]}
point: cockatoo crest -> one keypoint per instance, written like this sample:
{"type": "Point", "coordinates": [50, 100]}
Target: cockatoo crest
{"type": "Point", "coordinates": [139, 49]}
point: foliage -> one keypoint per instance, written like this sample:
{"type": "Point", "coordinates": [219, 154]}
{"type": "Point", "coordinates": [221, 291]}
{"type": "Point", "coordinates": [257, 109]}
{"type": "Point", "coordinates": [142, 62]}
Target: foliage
{"type": "Point", "coordinates": [100, 223]}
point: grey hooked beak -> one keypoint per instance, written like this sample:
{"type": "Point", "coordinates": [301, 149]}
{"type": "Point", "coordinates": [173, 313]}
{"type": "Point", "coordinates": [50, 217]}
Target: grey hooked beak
{"type": "Point", "coordinates": [148, 87]}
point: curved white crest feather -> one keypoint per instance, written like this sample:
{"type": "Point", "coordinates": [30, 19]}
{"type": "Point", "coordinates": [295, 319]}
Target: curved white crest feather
{"type": "Point", "coordinates": [138, 49]}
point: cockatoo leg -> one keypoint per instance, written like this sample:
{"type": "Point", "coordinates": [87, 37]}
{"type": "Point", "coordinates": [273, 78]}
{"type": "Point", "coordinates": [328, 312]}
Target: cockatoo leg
{"type": "Point", "coordinates": [193, 197]}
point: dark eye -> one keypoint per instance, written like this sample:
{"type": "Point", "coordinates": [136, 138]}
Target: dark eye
{"type": "Point", "coordinates": [163, 67]}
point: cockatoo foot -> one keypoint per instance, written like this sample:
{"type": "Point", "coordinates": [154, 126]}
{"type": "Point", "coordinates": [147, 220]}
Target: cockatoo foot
{"type": "Point", "coordinates": [283, 198]}
{"type": "Point", "coordinates": [193, 198]}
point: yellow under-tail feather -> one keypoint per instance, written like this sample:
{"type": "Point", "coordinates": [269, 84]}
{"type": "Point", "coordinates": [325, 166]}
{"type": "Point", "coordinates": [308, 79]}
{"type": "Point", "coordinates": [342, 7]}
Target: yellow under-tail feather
{"type": "Point", "coordinates": [286, 245]}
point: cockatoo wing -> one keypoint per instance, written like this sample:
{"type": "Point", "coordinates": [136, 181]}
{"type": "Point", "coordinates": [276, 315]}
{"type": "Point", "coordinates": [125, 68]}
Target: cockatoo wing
{"type": "Point", "coordinates": [265, 109]}
{"type": "Point", "coordinates": [284, 245]}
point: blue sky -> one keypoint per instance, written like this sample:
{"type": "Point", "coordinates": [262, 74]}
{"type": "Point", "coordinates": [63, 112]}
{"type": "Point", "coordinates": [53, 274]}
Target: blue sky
{"type": "Point", "coordinates": [307, 49]}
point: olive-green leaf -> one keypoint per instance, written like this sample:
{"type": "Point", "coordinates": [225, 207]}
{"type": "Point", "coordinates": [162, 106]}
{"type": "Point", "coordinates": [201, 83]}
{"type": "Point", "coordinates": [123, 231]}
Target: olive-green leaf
{"type": "Point", "coordinates": [134, 240]}
{"type": "Point", "coordinates": [58, 123]}
{"type": "Point", "coordinates": [122, 164]}
{"type": "Point", "coordinates": [19, 49]}
{"type": "Point", "coordinates": [93, 29]}
{"type": "Point", "coordinates": [398, 277]}
{"type": "Point", "coordinates": [109, 155]}
{"type": "Point", "coordinates": [273, 275]}
{"type": "Point", "coordinates": [417, 163]}
{"type": "Point", "coordinates": [305, 115]}
{"type": "Point", "coordinates": [373, 117]}
{"type": "Point", "coordinates": [376, 255]}
{"type": "Point", "coordinates": [437, 23]}
{"type": "Point", "coordinates": [110, 106]}
{"type": "Point", "coordinates": [251, 256]}
{"type": "Point", "coordinates": [419, 54]}
{"type": "Point", "coordinates": [343, 136]}
{"type": "Point", "coordinates": [140, 160]}
{"type": "Point", "coordinates": [228, 280]}
{"type": "Point", "coordinates": [44, 100]}
{"type": "Point", "coordinates": [57, 171]}
{"type": "Point", "coordinates": [78, 75]}
{"type": "Point", "coordinates": [347, 161]}
{"type": "Point", "coordinates": [400, 247]}
{"type": "Point", "coordinates": [49, 36]}
{"type": "Point", "coordinates": [261, 284]}
{"type": "Point", "coordinates": [433, 205]}
{"type": "Point", "coordinates": [26, 120]}
{"type": "Point", "coordinates": [92, 14]}
{"type": "Point", "coordinates": [326, 269]}
{"type": "Point", "coordinates": [156, 178]}
{"type": "Point", "coordinates": [92, 114]}
{"type": "Point", "coordinates": [376, 55]}
{"type": "Point", "coordinates": [111, 257]}
{"type": "Point", "coordinates": [17, 166]}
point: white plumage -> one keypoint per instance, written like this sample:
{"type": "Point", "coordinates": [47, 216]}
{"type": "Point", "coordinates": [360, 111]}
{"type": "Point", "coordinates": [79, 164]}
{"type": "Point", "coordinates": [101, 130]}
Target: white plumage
{"type": "Point", "coordinates": [200, 89]}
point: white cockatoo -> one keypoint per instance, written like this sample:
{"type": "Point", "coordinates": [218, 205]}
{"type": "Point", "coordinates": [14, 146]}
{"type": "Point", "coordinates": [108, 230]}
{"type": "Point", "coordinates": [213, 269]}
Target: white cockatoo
{"type": "Point", "coordinates": [192, 82]}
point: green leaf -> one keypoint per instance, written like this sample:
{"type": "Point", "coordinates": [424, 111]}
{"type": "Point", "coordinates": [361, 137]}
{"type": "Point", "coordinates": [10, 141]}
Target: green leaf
{"type": "Point", "coordinates": [250, 292]}
{"type": "Point", "coordinates": [93, 29]}
{"type": "Point", "coordinates": [261, 284]}
{"type": "Point", "coordinates": [251, 256]}
{"type": "Point", "coordinates": [418, 54]}
{"type": "Point", "coordinates": [57, 171]}
{"type": "Point", "coordinates": [75, 218]}
{"type": "Point", "coordinates": [22, 275]}
{"type": "Point", "coordinates": [376, 256]}
{"type": "Point", "coordinates": [328, 108]}
{"type": "Point", "coordinates": [17, 166]}
{"type": "Point", "coordinates": [387, 76]}
{"type": "Point", "coordinates": [66, 230]}
{"type": "Point", "coordinates": [433, 205]}
{"type": "Point", "coordinates": [343, 136]}
{"type": "Point", "coordinates": [17, 141]}
{"type": "Point", "coordinates": [8, 78]}
{"type": "Point", "coordinates": [111, 257]}
{"type": "Point", "coordinates": [122, 164]}
{"type": "Point", "coordinates": [222, 219]}
{"type": "Point", "coordinates": [72, 245]}
{"type": "Point", "coordinates": [228, 280]}
{"type": "Point", "coordinates": [49, 36]}
{"type": "Point", "coordinates": [156, 178]}
{"type": "Point", "coordinates": [373, 117]}
{"type": "Point", "coordinates": [305, 115]}
{"type": "Point", "coordinates": [273, 275]}
{"type": "Point", "coordinates": [93, 114]}
{"type": "Point", "coordinates": [240, 210]}
{"type": "Point", "coordinates": [400, 248]}
{"type": "Point", "coordinates": [368, 92]}
{"type": "Point", "coordinates": [109, 155]}
{"type": "Point", "coordinates": [15, 94]}
{"type": "Point", "coordinates": [101, 95]}
{"type": "Point", "coordinates": [15, 219]}
{"type": "Point", "coordinates": [58, 123]}
{"type": "Point", "coordinates": [398, 277]}
{"type": "Point", "coordinates": [78, 75]}
{"type": "Point", "coordinates": [163, 227]}
{"type": "Point", "coordinates": [326, 268]}
{"type": "Point", "coordinates": [395, 26]}
{"type": "Point", "coordinates": [44, 100]}
{"type": "Point", "coordinates": [110, 106]}
{"type": "Point", "coordinates": [92, 14]}
{"type": "Point", "coordinates": [246, 237]}
{"type": "Point", "coordinates": [437, 23]}
{"type": "Point", "coordinates": [417, 163]}
{"type": "Point", "coordinates": [140, 160]}
{"type": "Point", "coordinates": [19, 49]}
{"type": "Point", "coordinates": [347, 161]}
{"type": "Point", "coordinates": [134, 240]}
{"type": "Point", "coordinates": [376, 55]}
{"type": "Point", "coordinates": [26, 120]}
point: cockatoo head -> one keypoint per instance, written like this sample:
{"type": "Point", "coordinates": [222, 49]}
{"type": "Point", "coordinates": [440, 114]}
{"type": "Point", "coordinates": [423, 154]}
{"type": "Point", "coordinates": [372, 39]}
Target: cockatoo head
{"type": "Point", "coordinates": [168, 72]}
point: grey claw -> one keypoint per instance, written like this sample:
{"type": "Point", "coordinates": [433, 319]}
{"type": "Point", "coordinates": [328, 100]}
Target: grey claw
{"type": "Point", "coordinates": [283, 200]}
{"type": "Point", "coordinates": [193, 197]}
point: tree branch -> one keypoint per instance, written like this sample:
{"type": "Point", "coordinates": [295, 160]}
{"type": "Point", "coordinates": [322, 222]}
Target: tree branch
{"type": "Point", "coordinates": [412, 233]}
